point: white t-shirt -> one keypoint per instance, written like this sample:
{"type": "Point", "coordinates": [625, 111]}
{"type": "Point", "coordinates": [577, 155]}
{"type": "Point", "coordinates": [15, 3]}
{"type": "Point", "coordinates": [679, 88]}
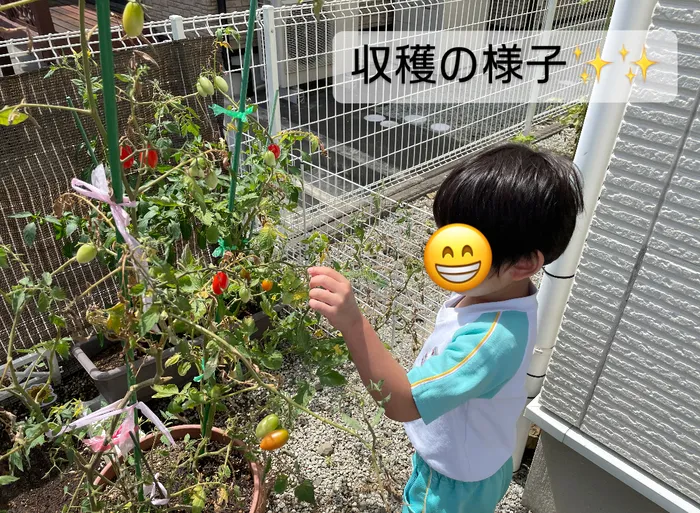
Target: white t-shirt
{"type": "Point", "coordinates": [468, 383]}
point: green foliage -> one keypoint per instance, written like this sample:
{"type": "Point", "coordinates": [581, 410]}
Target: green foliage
{"type": "Point", "coordinates": [574, 117]}
{"type": "Point", "coordinates": [524, 139]}
{"type": "Point", "coordinates": [187, 234]}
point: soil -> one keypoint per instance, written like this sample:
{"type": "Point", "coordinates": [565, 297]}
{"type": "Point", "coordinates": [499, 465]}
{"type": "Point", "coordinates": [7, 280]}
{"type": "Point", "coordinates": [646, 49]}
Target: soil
{"type": "Point", "coordinates": [175, 473]}
{"type": "Point", "coordinates": [54, 491]}
{"type": "Point", "coordinates": [111, 357]}
{"type": "Point", "coordinates": [49, 497]}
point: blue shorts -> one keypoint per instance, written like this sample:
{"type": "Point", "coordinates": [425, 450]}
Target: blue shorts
{"type": "Point", "coordinates": [428, 491]}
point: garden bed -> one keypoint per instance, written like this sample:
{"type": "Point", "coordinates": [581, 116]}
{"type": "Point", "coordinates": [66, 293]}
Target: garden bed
{"type": "Point", "coordinates": [104, 364]}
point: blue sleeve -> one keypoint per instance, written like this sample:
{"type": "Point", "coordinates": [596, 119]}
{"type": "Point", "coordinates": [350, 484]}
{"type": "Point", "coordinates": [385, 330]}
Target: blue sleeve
{"type": "Point", "coordinates": [481, 358]}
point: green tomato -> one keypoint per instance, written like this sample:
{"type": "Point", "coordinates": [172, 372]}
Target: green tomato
{"type": "Point", "coordinates": [212, 234]}
{"type": "Point", "coordinates": [86, 253]}
{"type": "Point", "coordinates": [267, 426]}
{"type": "Point", "coordinates": [212, 180]}
{"type": "Point", "coordinates": [206, 84]}
{"type": "Point", "coordinates": [201, 91]}
{"type": "Point", "coordinates": [221, 84]}
{"type": "Point", "coordinates": [132, 19]}
{"type": "Point", "coordinates": [269, 159]}
{"type": "Point", "coordinates": [244, 293]}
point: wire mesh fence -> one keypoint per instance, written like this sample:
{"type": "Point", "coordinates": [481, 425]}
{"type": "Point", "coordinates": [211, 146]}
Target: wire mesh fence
{"type": "Point", "coordinates": [373, 151]}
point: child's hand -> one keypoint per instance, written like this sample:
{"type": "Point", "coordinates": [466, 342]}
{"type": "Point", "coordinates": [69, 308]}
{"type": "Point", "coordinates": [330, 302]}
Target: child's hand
{"type": "Point", "coordinates": [335, 299]}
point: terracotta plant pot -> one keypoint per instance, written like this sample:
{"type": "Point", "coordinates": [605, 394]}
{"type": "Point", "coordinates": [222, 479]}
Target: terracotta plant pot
{"type": "Point", "coordinates": [257, 503]}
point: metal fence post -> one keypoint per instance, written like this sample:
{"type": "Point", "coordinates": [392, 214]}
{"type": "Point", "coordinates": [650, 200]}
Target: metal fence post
{"type": "Point", "coordinates": [272, 84]}
{"type": "Point", "coordinates": [177, 27]}
{"type": "Point", "coordinates": [535, 91]}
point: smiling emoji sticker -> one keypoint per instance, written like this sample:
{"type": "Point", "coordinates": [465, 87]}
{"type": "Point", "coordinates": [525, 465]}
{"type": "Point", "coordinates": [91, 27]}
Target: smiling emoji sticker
{"type": "Point", "coordinates": [457, 257]}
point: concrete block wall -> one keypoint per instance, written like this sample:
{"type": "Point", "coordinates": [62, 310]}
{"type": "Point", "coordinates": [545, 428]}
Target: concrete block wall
{"type": "Point", "coordinates": [626, 369]}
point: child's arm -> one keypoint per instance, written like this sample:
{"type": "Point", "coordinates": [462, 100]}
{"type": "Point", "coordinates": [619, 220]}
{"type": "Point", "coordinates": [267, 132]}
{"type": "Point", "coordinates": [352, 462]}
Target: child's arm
{"type": "Point", "coordinates": [480, 359]}
{"type": "Point", "coordinates": [331, 295]}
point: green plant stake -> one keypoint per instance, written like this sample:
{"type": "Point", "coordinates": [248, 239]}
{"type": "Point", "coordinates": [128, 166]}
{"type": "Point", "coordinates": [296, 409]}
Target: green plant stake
{"type": "Point", "coordinates": [235, 162]}
{"type": "Point", "coordinates": [109, 94]}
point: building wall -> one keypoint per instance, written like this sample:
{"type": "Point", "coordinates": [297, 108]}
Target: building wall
{"type": "Point", "coordinates": [162, 9]}
{"type": "Point", "coordinates": [626, 369]}
{"type": "Point", "coordinates": [563, 481]}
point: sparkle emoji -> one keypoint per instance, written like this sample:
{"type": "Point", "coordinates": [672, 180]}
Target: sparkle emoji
{"type": "Point", "coordinates": [645, 63]}
{"type": "Point", "coordinates": [457, 257]}
{"type": "Point", "coordinates": [624, 52]}
{"type": "Point", "coordinates": [598, 63]}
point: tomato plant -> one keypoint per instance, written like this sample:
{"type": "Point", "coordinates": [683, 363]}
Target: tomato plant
{"type": "Point", "coordinates": [194, 277]}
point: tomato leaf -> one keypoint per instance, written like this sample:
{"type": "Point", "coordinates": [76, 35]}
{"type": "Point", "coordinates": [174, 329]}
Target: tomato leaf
{"type": "Point", "coordinates": [272, 361]}
{"type": "Point", "coordinates": [351, 423]}
{"type": "Point", "coordinates": [330, 377]}
{"type": "Point", "coordinates": [62, 348]}
{"type": "Point", "coordinates": [281, 483]}
{"type": "Point", "coordinates": [173, 360]}
{"type": "Point", "coordinates": [198, 500]}
{"type": "Point", "coordinates": [18, 299]}
{"type": "Point", "coordinates": [149, 319]}
{"type": "Point", "coordinates": [378, 417]}
{"type": "Point", "coordinates": [58, 293]}
{"type": "Point", "coordinates": [183, 368]}
{"type": "Point", "coordinates": [304, 394]}
{"type": "Point", "coordinates": [43, 302]}
{"type": "Point", "coordinates": [164, 391]}
{"type": "Point", "coordinates": [6, 480]}
{"type": "Point", "coordinates": [29, 234]}
{"type": "Point", "coordinates": [196, 191]}
{"type": "Point", "coordinates": [46, 278]}
{"type": "Point", "coordinates": [305, 492]}
{"type": "Point", "coordinates": [11, 116]}
{"type": "Point", "coordinates": [138, 289]}
{"type": "Point", "coordinates": [210, 367]}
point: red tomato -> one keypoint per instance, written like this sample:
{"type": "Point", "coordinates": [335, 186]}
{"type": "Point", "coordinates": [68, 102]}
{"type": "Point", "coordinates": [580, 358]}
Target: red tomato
{"type": "Point", "coordinates": [219, 283]}
{"type": "Point", "coordinates": [151, 158]}
{"type": "Point", "coordinates": [275, 149]}
{"type": "Point", "coordinates": [126, 155]}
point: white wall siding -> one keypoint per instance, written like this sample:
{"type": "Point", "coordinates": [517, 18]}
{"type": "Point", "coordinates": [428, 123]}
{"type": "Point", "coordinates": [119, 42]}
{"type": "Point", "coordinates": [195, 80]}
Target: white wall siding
{"type": "Point", "coordinates": [626, 369]}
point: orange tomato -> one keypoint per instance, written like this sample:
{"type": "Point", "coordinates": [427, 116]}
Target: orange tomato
{"type": "Point", "coordinates": [266, 285]}
{"type": "Point", "coordinates": [274, 440]}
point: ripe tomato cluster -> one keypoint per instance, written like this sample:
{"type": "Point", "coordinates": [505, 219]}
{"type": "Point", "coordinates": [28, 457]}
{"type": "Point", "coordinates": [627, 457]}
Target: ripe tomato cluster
{"type": "Point", "coordinates": [148, 157]}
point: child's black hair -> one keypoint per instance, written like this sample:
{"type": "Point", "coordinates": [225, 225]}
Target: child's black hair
{"type": "Point", "coordinates": [521, 199]}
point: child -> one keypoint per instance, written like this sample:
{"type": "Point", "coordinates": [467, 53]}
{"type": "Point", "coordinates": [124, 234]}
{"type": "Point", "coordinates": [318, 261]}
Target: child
{"type": "Point", "coordinates": [461, 401]}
